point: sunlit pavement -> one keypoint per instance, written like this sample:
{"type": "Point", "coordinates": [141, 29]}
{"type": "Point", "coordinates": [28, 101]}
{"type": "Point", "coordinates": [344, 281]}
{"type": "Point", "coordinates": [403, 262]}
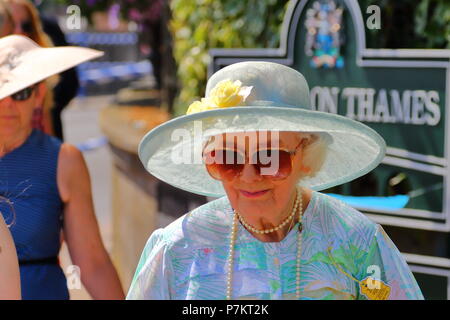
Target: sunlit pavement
{"type": "Point", "coordinates": [80, 123]}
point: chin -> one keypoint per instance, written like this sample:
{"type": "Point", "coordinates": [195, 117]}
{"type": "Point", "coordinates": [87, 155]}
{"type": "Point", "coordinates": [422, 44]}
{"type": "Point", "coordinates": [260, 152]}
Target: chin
{"type": "Point", "coordinates": [7, 129]}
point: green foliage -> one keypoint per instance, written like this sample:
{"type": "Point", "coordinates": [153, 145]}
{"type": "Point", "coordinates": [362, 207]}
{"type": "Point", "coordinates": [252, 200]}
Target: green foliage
{"type": "Point", "coordinates": [199, 25]}
{"type": "Point", "coordinates": [433, 23]}
{"type": "Point", "coordinates": [410, 24]}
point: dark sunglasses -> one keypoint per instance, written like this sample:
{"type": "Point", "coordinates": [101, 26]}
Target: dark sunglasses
{"type": "Point", "coordinates": [26, 26]}
{"type": "Point", "coordinates": [271, 163]}
{"type": "Point", "coordinates": [23, 94]}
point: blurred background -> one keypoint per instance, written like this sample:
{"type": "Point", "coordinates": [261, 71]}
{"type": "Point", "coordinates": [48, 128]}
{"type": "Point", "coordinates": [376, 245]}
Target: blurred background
{"type": "Point", "coordinates": [155, 64]}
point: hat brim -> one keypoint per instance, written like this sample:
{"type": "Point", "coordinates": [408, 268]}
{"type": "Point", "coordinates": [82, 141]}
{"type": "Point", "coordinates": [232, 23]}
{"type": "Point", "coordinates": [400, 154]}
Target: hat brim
{"type": "Point", "coordinates": [39, 63]}
{"type": "Point", "coordinates": [354, 151]}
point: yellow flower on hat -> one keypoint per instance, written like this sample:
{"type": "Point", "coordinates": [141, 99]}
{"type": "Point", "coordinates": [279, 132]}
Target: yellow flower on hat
{"type": "Point", "coordinates": [199, 106]}
{"type": "Point", "coordinates": [225, 94]}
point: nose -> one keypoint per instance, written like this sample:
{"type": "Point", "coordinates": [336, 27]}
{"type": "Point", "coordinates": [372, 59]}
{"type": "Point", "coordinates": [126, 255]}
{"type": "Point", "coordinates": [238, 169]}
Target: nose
{"type": "Point", "coordinates": [18, 29]}
{"type": "Point", "coordinates": [250, 173]}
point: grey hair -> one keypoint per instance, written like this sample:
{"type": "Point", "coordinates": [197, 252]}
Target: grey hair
{"type": "Point", "coordinates": [315, 150]}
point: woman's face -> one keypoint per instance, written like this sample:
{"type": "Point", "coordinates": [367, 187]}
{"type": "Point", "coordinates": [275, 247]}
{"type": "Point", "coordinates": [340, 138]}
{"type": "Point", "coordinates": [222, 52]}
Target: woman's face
{"type": "Point", "coordinates": [255, 194]}
{"type": "Point", "coordinates": [16, 116]}
{"type": "Point", "coordinates": [22, 19]}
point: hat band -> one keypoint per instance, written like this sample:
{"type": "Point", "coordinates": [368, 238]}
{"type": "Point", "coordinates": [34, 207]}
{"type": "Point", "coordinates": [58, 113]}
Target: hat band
{"type": "Point", "coordinates": [267, 103]}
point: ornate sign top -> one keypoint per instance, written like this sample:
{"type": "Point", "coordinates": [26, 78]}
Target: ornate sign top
{"type": "Point", "coordinates": [324, 38]}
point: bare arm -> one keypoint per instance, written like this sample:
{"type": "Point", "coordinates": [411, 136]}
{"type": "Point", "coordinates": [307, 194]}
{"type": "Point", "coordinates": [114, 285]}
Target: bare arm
{"type": "Point", "coordinates": [81, 228]}
{"type": "Point", "coordinates": [9, 266]}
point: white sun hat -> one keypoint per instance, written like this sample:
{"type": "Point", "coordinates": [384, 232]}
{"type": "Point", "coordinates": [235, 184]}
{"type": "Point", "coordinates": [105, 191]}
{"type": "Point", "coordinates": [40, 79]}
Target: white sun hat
{"type": "Point", "coordinates": [257, 96]}
{"type": "Point", "coordinates": [24, 63]}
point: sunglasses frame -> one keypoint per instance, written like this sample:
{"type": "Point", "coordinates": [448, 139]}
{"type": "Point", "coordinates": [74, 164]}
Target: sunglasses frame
{"type": "Point", "coordinates": [246, 157]}
{"type": "Point", "coordinates": [27, 26]}
{"type": "Point", "coordinates": [29, 89]}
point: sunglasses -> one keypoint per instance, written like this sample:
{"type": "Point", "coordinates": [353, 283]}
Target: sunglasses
{"type": "Point", "coordinates": [26, 26]}
{"type": "Point", "coordinates": [23, 94]}
{"type": "Point", "coordinates": [272, 163]}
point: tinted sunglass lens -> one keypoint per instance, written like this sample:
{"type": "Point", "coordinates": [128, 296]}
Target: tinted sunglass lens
{"type": "Point", "coordinates": [273, 163]}
{"type": "Point", "coordinates": [224, 164]}
{"type": "Point", "coordinates": [26, 27]}
{"type": "Point", "coordinates": [22, 94]}
{"type": "Point", "coordinates": [231, 158]}
{"type": "Point", "coordinates": [227, 164]}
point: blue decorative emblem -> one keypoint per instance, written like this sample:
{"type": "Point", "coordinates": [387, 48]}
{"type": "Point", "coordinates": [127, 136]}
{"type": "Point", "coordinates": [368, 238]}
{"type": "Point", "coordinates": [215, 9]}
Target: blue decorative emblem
{"type": "Point", "coordinates": [323, 38]}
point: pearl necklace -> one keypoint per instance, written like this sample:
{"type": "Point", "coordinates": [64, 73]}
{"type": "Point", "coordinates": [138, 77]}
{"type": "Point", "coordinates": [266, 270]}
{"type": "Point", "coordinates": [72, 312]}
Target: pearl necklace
{"type": "Point", "coordinates": [281, 225]}
{"type": "Point", "coordinates": [230, 260]}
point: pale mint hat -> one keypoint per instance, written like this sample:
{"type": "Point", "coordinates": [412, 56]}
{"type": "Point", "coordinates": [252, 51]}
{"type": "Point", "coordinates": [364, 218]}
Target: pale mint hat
{"type": "Point", "coordinates": [256, 96]}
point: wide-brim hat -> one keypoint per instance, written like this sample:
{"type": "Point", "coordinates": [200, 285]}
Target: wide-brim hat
{"type": "Point", "coordinates": [273, 97]}
{"type": "Point", "coordinates": [23, 62]}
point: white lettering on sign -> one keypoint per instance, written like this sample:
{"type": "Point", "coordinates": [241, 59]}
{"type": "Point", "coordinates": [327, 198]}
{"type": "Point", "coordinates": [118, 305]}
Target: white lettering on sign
{"type": "Point", "coordinates": [365, 104]}
{"type": "Point", "coordinates": [349, 94]}
{"type": "Point", "coordinates": [418, 107]}
{"type": "Point", "coordinates": [432, 105]}
{"type": "Point", "coordinates": [325, 99]}
{"type": "Point", "coordinates": [382, 108]}
{"type": "Point", "coordinates": [400, 106]}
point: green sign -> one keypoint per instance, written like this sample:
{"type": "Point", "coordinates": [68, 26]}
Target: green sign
{"type": "Point", "coordinates": [402, 94]}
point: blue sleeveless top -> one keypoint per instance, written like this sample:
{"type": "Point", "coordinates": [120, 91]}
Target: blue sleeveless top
{"type": "Point", "coordinates": [28, 180]}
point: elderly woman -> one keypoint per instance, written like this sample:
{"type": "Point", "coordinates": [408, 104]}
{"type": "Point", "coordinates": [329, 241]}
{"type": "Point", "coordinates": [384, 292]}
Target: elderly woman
{"type": "Point", "coordinates": [46, 180]}
{"type": "Point", "coordinates": [273, 236]}
{"type": "Point", "coordinates": [9, 268]}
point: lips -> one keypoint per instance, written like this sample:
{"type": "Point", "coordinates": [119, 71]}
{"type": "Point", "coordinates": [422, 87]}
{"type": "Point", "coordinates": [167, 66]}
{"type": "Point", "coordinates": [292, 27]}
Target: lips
{"type": "Point", "coordinates": [8, 117]}
{"type": "Point", "coordinates": [254, 194]}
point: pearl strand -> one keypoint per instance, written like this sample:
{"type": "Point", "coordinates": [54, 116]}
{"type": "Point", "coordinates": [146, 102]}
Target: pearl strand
{"type": "Point", "coordinates": [299, 249]}
{"type": "Point", "coordinates": [281, 225]}
{"type": "Point", "coordinates": [230, 262]}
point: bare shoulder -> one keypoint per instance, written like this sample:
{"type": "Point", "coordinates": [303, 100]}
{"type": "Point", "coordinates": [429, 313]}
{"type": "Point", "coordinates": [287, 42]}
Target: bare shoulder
{"type": "Point", "coordinates": [69, 154]}
{"type": "Point", "coordinates": [71, 169]}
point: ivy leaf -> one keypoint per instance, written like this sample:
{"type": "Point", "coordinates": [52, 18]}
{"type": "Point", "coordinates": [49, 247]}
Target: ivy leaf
{"type": "Point", "coordinates": [421, 16]}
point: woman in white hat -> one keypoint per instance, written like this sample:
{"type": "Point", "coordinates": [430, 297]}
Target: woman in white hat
{"type": "Point", "coordinates": [46, 180]}
{"type": "Point", "coordinates": [62, 88]}
{"type": "Point", "coordinates": [9, 267]}
{"type": "Point", "coordinates": [273, 235]}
